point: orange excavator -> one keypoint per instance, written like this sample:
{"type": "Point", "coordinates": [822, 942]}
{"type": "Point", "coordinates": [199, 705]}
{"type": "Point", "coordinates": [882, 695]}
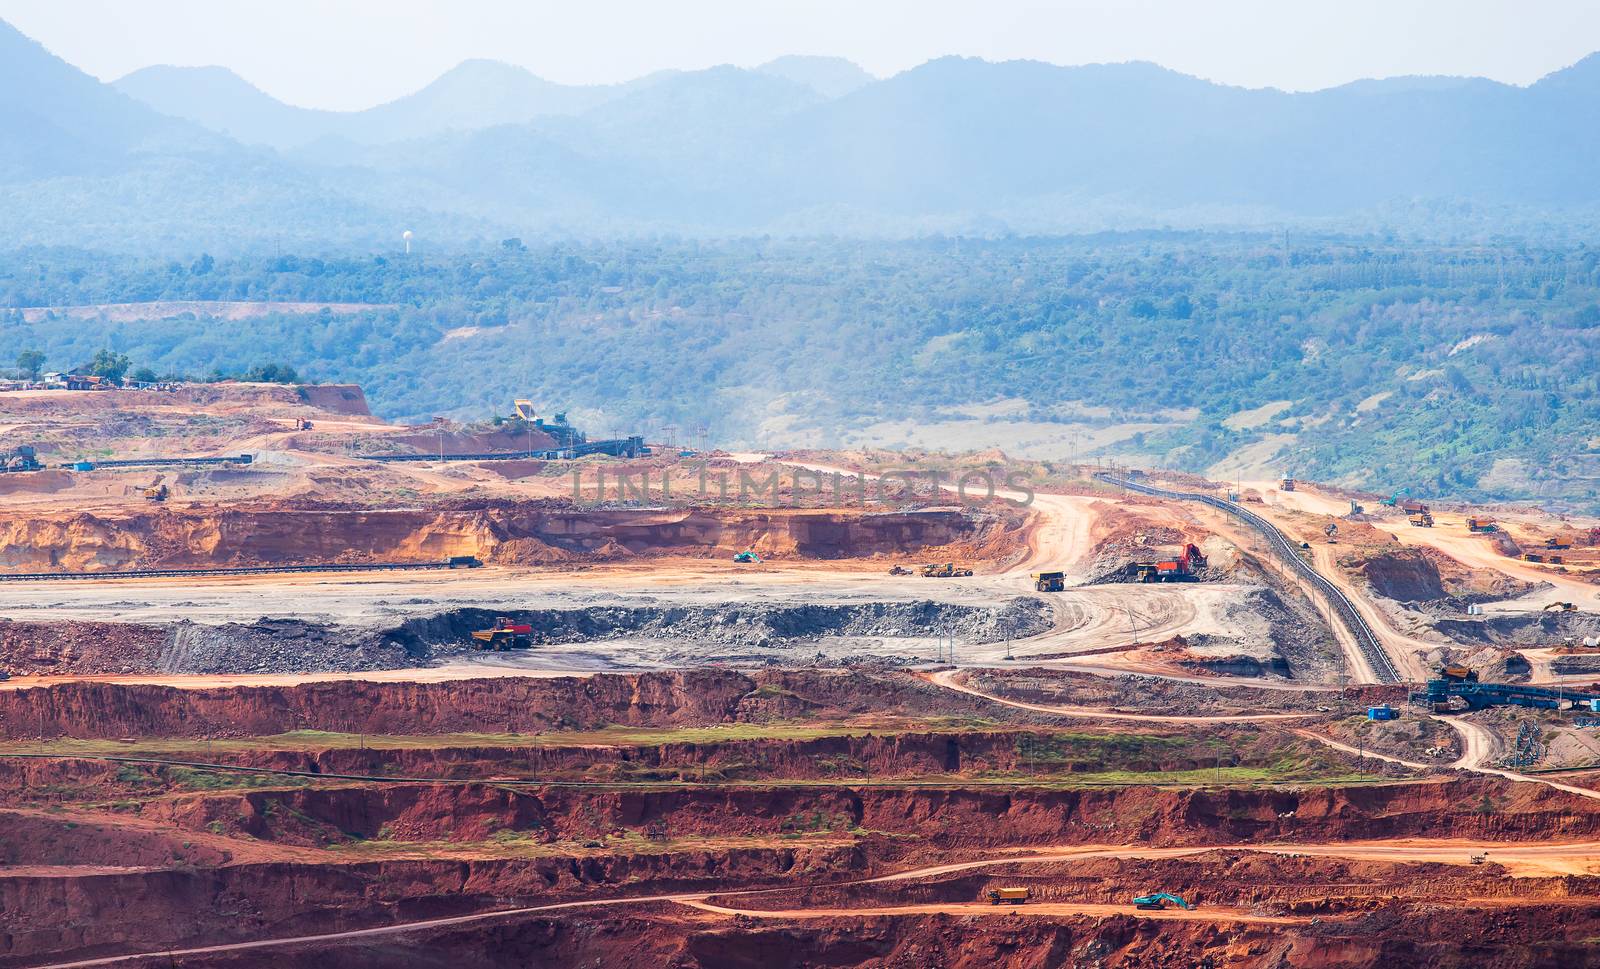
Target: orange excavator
{"type": "Point", "coordinates": [1184, 568]}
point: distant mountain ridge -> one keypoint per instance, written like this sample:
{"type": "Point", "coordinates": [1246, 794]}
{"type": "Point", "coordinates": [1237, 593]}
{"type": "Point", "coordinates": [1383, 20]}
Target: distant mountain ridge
{"type": "Point", "coordinates": [471, 96]}
{"type": "Point", "coordinates": [797, 145]}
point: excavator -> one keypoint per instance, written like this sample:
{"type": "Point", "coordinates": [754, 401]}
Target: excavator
{"type": "Point", "coordinates": [1561, 607]}
{"type": "Point", "coordinates": [1181, 569]}
{"type": "Point", "coordinates": [156, 493]}
{"type": "Point", "coordinates": [747, 557]}
{"type": "Point", "coordinates": [1394, 499]}
{"type": "Point", "coordinates": [1159, 901]}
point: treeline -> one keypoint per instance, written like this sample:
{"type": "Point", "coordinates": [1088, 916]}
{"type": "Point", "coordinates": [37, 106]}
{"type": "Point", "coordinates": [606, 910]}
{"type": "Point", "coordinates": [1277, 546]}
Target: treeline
{"type": "Point", "coordinates": [1422, 365]}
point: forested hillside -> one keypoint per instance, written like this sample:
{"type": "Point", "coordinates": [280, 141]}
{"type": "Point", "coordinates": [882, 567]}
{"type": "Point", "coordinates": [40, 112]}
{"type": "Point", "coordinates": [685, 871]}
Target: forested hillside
{"type": "Point", "coordinates": [1455, 370]}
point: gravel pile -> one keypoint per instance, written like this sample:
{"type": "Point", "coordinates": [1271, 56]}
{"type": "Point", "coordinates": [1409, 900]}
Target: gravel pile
{"type": "Point", "coordinates": [298, 646]}
{"type": "Point", "coordinates": [277, 646]}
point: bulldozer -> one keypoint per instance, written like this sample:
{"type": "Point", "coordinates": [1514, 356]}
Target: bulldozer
{"type": "Point", "coordinates": [1049, 581]}
{"type": "Point", "coordinates": [1158, 901]}
{"type": "Point", "coordinates": [944, 570]}
{"type": "Point", "coordinates": [899, 570]}
{"type": "Point", "coordinates": [157, 493]}
{"type": "Point", "coordinates": [503, 635]}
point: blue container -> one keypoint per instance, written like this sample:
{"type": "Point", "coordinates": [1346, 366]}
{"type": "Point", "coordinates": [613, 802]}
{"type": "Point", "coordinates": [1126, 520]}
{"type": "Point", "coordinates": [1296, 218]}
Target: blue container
{"type": "Point", "coordinates": [1381, 713]}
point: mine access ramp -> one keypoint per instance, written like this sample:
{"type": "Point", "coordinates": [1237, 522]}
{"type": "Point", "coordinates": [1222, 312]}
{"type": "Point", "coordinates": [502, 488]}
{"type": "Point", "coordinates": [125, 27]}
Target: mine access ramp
{"type": "Point", "coordinates": [1366, 639]}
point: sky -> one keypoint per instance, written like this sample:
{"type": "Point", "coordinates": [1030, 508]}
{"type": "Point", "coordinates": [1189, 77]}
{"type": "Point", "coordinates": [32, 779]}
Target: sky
{"type": "Point", "coordinates": [351, 54]}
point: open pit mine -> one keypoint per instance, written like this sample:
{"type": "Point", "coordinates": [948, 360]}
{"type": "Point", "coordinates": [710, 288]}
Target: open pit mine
{"type": "Point", "coordinates": [285, 684]}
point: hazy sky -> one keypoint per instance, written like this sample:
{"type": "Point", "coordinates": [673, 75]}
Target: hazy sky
{"type": "Point", "coordinates": [354, 53]}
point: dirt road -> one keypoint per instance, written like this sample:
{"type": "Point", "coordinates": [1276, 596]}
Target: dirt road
{"type": "Point", "coordinates": [1208, 913]}
{"type": "Point", "coordinates": [1568, 858]}
{"type": "Point", "coordinates": [950, 680]}
{"type": "Point", "coordinates": [1479, 746]}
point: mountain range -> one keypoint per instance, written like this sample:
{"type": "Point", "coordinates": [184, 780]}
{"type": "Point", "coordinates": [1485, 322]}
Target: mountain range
{"type": "Point", "coordinates": [182, 157]}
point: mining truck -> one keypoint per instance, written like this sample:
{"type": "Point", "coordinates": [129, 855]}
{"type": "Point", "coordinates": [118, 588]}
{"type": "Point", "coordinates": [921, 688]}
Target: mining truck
{"type": "Point", "coordinates": [944, 570]}
{"type": "Point", "coordinates": [1049, 581]}
{"type": "Point", "coordinates": [504, 635]}
{"type": "Point", "coordinates": [1010, 896]}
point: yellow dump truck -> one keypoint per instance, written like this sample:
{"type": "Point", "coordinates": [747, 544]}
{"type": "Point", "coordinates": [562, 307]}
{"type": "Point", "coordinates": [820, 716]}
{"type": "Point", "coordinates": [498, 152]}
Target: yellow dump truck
{"type": "Point", "coordinates": [1049, 581]}
{"type": "Point", "coordinates": [1009, 896]}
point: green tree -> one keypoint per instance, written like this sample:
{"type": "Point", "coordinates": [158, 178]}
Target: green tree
{"type": "Point", "coordinates": [31, 362]}
{"type": "Point", "coordinates": [110, 365]}
{"type": "Point", "coordinates": [272, 373]}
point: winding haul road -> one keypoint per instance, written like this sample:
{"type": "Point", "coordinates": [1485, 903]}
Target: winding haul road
{"type": "Point", "coordinates": [1375, 656]}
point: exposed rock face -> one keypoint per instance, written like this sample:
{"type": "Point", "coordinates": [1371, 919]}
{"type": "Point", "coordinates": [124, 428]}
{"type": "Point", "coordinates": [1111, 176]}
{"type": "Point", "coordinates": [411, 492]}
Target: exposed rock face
{"type": "Point", "coordinates": [1418, 574]}
{"type": "Point", "coordinates": [87, 709]}
{"type": "Point", "coordinates": [303, 646]}
{"type": "Point", "coordinates": [523, 534]}
{"type": "Point", "coordinates": [345, 399]}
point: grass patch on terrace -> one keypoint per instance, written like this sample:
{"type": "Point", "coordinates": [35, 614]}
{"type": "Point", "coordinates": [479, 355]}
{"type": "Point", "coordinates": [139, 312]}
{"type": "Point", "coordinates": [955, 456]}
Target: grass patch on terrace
{"type": "Point", "coordinates": [506, 844]}
{"type": "Point", "coordinates": [313, 740]}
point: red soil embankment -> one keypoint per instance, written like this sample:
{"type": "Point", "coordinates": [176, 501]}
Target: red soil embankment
{"type": "Point", "coordinates": [501, 704]}
{"type": "Point", "coordinates": [93, 913]}
{"type": "Point", "coordinates": [523, 534]}
{"type": "Point", "coordinates": [841, 758]}
{"type": "Point", "coordinates": [952, 817]}
{"type": "Point", "coordinates": [108, 710]}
